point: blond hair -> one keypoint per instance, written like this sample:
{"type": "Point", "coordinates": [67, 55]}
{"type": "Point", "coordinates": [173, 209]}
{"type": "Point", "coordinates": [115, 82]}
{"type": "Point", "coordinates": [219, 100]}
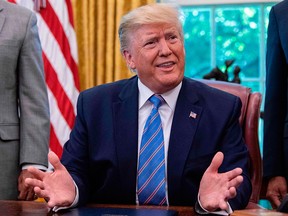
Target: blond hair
{"type": "Point", "coordinates": [148, 14]}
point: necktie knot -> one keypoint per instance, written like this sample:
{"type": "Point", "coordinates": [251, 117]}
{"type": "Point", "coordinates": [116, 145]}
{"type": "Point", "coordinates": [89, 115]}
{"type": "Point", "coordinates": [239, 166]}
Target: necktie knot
{"type": "Point", "coordinates": [156, 100]}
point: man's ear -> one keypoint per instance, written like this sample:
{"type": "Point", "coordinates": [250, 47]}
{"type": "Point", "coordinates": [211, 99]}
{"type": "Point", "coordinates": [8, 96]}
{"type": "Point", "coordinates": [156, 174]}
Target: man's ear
{"type": "Point", "coordinates": [129, 59]}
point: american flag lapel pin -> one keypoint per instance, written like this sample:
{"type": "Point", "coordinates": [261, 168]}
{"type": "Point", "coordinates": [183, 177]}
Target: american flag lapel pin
{"type": "Point", "coordinates": [192, 115]}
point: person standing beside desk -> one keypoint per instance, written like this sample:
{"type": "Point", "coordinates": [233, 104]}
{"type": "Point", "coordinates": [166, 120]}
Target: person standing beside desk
{"type": "Point", "coordinates": [275, 145]}
{"type": "Point", "coordinates": [103, 156]}
{"type": "Point", "coordinates": [24, 108]}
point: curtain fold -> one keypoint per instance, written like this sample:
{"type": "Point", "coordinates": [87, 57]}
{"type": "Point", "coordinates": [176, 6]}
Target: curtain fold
{"type": "Point", "coordinates": [96, 25]}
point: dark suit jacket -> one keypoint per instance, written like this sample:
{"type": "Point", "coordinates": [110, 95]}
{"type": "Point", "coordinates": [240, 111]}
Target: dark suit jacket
{"type": "Point", "coordinates": [101, 154]}
{"type": "Point", "coordinates": [275, 150]}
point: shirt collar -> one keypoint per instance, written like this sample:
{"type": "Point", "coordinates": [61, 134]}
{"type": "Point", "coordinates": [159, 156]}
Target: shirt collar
{"type": "Point", "coordinates": [170, 97]}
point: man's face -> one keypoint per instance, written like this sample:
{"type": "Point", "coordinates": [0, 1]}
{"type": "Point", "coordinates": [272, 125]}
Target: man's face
{"type": "Point", "coordinates": [157, 53]}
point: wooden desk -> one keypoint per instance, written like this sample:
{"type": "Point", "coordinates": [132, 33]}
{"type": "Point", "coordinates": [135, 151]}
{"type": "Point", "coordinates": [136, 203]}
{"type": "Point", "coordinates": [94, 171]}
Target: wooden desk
{"type": "Point", "coordinates": [257, 212]}
{"type": "Point", "coordinates": [182, 210]}
{"type": "Point", "coordinates": [26, 208]}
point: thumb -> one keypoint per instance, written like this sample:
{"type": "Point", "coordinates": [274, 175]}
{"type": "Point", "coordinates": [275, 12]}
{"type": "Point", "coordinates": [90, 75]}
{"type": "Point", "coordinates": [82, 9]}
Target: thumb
{"type": "Point", "coordinates": [216, 162]}
{"type": "Point", "coordinates": [55, 161]}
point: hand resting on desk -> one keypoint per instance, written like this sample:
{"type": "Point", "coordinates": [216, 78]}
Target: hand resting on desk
{"type": "Point", "coordinates": [58, 188]}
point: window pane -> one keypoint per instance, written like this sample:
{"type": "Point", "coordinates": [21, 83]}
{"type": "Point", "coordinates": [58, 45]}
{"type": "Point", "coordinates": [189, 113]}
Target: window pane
{"type": "Point", "coordinates": [234, 32]}
{"type": "Point", "coordinates": [197, 39]}
{"type": "Point", "coordinates": [237, 37]}
{"type": "Point", "coordinates": [254, 85]}
{"type": "Point", "coordinates": [266, 22]}
{"type": "Point", "coordinates": [266, 15]}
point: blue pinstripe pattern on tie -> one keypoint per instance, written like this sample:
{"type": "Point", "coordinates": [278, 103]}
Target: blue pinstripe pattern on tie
{"type": "Point", "coordinates": [151, 169]}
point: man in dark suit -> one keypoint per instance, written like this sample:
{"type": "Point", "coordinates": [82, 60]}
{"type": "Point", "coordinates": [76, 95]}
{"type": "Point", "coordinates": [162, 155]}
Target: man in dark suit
{"type": "Point", "coordinates": [275, 149]}
{"type": "Point", "coordinates": [199, 123]}
{"type": "Point", "coordinates": [24, 108]}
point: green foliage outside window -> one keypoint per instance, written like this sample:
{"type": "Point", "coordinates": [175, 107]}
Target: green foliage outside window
{"type": "Point", "coordinates": [237, 37]}
{"type": "Point", "coordinates": [214, 34]}
{"type": "Point", "coordinates": [197, 36]}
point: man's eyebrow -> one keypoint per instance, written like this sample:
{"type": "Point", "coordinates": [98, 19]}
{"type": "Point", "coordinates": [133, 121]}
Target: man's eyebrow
{"type": "Point", "coordinates": [170, 31]}
{"type": "Point", "coordinates": [150, 37]}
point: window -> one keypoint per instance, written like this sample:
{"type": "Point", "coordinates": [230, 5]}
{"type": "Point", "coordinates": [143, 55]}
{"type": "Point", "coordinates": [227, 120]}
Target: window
{"type": "Point", "coordinates": [214, 34]}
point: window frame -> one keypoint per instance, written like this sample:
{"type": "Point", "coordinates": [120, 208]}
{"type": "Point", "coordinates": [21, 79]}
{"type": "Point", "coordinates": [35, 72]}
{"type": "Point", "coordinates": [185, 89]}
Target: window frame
{"type": "Point", "coordinates": [216, 2]}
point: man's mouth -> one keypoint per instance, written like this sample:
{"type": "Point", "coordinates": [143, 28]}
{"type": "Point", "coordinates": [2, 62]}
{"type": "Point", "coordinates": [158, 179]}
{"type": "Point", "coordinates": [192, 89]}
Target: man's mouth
{"type": "Point", "coordinates": [166, 64]}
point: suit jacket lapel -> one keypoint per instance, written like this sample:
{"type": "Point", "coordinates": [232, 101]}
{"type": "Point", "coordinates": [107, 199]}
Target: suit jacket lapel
{"type": "Point", "coordinates": [181, 138]}
{"type": "Point", "coordinates": [126, 135]}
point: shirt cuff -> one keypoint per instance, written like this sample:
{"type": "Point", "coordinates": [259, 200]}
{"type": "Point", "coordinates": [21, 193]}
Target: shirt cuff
{"type": "Point", "coordinates": [40, 167]}
{"type": "Point", "coordinates": [200, 210]}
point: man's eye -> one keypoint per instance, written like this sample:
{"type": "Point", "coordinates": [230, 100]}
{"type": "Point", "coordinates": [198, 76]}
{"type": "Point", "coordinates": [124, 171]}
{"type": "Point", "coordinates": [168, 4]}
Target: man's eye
{"type": "Point", "coordinates": [149, 43]}
{"type": "Point", "coordinates": [172, 37]}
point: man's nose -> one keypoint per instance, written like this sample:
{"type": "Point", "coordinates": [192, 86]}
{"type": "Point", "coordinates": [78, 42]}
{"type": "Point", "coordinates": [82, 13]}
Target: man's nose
{"type": "Point", "coordinates": [164, 49]}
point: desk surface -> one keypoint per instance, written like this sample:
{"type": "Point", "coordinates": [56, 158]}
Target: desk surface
{"type": "Point", "coordinates": [21, 208]}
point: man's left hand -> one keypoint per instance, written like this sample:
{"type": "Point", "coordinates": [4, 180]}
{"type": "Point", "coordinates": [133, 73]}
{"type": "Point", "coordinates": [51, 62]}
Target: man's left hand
{"type": "Point", "coordinates": [217, 188]}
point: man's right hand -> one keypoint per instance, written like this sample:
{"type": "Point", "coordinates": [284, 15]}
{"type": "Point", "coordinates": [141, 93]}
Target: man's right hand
{"type": "Point", "coordinates": [57, 187]}
{"type": "Point", "coordinates": [276, 190]}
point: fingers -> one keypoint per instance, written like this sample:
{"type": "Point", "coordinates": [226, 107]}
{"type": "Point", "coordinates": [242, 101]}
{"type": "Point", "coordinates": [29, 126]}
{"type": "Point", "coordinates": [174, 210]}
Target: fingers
{"type": "Point", "coordinates": [234, 173]}
{"type": "Point", "coordinates": [36, 172]}
{"type": "Point", "coordinates": [234, 178]}
{"type": "Point", "coordinates": [30, 195]}
{"type": "Point", "coordinates": [40, 192]}
{"type": "Point", "coordinates": [230, 193]}
{"type": "Point", "coordinates": [34, 183]}
{"type": "Point", "coordinates": [223, 205]}
{"type": "Point", "coordinates": [235, 182]}
{"type": "Point", "coordinates": [26, 194]}
{"type": "Point", "coordinates": [275, 200]}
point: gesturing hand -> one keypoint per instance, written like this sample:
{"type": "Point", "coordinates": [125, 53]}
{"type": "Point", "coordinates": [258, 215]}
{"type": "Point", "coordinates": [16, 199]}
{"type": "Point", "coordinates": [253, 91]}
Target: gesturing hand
{"type": "Point", "coordinates": [217, 188]}
{"type": "Point", "coordinates": [57, 187]}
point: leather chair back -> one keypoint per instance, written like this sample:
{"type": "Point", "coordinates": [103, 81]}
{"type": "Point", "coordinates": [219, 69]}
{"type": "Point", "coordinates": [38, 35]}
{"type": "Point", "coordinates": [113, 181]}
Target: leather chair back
{"type": "Point", "coordinates": [249, 120]}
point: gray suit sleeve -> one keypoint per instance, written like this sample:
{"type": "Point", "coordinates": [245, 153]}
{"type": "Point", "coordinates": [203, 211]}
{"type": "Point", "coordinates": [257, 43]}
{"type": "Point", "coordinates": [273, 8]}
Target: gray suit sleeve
{"type": "Point", "coordinates": [33, 99]}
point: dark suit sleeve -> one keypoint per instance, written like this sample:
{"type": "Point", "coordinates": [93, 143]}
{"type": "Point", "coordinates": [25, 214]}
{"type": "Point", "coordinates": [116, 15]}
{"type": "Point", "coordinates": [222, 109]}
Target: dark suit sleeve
{"type": "Point", "coordinates": [236, 155]}
{"type": "Point", "coordinates": [275, 101]}
{"type": "Point", "coordinates": [75, 154]}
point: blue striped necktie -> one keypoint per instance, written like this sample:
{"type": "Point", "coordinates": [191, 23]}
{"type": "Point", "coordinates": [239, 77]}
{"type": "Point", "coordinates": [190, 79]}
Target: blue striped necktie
{"type": "Point", "coordinates": [151, 169]}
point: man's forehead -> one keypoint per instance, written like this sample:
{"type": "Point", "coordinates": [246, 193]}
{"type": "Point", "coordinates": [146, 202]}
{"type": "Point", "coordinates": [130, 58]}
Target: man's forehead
{"type": "Point", "coordinates": [151, 29]}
